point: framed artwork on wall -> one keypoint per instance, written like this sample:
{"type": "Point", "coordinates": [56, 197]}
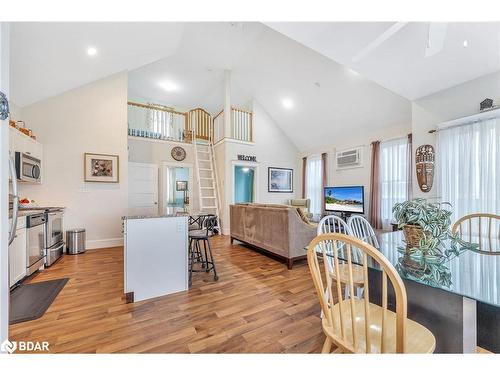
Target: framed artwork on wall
{"type": "Point", "coordinates": [101, 168]}
{"type": "Point", "coordinates": [280, 180]}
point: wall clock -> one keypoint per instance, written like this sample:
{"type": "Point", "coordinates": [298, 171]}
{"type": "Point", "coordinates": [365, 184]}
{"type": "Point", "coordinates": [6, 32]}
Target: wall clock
{"type": "Point", "coordinates": [178, 153]}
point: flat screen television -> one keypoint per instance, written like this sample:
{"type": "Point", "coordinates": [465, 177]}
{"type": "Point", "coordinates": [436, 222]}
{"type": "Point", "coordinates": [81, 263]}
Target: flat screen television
{"type": "Point", "coordinates": [345, 199]}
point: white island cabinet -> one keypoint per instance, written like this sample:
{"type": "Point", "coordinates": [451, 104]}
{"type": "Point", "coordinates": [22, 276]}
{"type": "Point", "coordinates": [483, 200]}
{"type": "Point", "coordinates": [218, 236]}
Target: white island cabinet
{"type": "Point", "coordinates": [156, 256]}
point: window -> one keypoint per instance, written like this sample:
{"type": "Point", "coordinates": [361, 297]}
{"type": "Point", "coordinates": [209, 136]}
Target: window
{"type": "Point", "coordinates": [314, 184]}
{"type": "Point", "coordinates": [393, 176]}
{"type": "Point", "coordinates": [468, 167]}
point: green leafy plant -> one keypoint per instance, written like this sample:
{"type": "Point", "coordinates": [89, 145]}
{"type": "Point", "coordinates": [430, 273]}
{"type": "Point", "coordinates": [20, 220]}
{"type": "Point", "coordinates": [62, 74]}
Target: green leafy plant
{"type": "Point", "coordinates": [437, 245]}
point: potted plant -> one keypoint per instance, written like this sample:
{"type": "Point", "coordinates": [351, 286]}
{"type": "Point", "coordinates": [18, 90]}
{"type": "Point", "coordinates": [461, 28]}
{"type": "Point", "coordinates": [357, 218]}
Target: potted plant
{"type": "Point", "coordinates": [426, 227]}
{"type": "Point", "coordinates": [430, 244]}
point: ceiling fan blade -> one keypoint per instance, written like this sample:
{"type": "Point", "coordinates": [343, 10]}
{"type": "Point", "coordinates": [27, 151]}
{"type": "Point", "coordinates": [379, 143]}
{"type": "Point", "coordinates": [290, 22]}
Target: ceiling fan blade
{"type": "Point", "coordinates": [436, 37]}
{"type": "Point", "coordinates": [379, 40]}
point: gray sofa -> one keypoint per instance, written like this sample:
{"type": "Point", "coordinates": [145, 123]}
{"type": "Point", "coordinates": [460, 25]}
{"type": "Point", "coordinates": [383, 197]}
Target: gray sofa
{"type": "Point", "coordinates": [281, 230]}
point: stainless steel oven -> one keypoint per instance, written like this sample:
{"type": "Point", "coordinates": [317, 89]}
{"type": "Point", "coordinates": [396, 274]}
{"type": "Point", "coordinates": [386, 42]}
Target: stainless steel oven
{"type": "Point", "coordinates": [28, 168]}
{"type": "Point", "coordinates": [35, 242]}
{"type": "Point", "coordinates": [54, 245]}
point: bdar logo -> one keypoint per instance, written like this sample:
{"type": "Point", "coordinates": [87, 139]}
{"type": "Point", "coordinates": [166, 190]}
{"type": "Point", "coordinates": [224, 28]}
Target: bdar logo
{"type": "Point", "coordinates": [8, 346]}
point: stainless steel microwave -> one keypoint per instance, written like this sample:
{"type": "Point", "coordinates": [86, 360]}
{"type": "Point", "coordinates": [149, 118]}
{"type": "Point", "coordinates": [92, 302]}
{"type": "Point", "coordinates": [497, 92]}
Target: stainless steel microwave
{"type": "Point", "coordinates": [28, 168]}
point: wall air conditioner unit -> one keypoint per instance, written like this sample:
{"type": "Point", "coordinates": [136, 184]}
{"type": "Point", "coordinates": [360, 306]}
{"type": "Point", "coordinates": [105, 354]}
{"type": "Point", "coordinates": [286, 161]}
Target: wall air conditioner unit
{"type": "Point", "coordinates": [348, 159]}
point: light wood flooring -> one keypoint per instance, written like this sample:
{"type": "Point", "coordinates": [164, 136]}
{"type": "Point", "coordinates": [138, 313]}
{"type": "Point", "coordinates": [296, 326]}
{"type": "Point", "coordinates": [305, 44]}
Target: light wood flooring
{"type": "Point", "coordinates": [256, 306]}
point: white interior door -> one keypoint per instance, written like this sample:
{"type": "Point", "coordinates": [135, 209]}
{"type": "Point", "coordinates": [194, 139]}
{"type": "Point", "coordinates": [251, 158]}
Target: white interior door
{"type": "Point", "coordinates": [143, 189]}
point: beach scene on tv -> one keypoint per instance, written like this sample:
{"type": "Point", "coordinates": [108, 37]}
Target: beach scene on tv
{"type": "Point", "coordinates": [345, 198]}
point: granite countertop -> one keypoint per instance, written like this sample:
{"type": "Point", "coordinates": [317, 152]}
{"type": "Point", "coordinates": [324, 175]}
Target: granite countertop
{"type": "Point", "coordinates": [157, 216]}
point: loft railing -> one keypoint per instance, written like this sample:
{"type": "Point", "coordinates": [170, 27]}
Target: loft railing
{"type": "Point", "coordinates": [241, 126]}
{"type": "Point", "coordinates": [157, 122]}
{"type": "Point", "coordinates": [161, 122]}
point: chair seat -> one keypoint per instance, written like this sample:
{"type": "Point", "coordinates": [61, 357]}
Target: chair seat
{"type": "Point", "coordinates": [418, 338]}
{"type": "Point", "coordinates": [198, 234]}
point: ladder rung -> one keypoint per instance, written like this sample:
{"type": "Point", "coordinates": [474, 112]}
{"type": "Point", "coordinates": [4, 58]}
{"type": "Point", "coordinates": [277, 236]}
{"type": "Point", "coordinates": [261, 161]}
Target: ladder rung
{"type": "Point", "coordinates": [204, 161]}
{"type": "Point", "coordinates": [205, 152]}
{"type": "Point", "coordinates": [206, 187]}
{"type": "Point", "coordinates": [206, 178]}
{"type": "Point", "coordinates": [207, 197]}
{"type": "Point", "coordinates": [206, 169]}
{"type": "Point", "coordinates": [209, 207]}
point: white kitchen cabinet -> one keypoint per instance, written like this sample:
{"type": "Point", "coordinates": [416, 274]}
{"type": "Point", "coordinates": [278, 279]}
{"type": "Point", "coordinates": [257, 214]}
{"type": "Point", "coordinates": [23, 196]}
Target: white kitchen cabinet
{"type": "Point", "coordinates": [20, 142]}
{"type": "Point", "coordinates": [17, 253]}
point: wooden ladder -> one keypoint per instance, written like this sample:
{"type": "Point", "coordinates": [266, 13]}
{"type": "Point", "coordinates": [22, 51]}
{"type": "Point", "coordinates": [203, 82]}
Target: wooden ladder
{"type": "Point", "coordinates": [206, 174]}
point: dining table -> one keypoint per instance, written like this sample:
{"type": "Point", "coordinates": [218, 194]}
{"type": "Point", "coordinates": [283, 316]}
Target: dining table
{"type": "Point", "coordinates": [457, 296]}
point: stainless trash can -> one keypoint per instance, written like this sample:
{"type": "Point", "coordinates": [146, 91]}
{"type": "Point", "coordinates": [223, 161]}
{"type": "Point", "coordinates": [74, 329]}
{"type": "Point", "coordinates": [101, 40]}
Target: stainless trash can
{"type": "Point", "coordinates": [75, 241]}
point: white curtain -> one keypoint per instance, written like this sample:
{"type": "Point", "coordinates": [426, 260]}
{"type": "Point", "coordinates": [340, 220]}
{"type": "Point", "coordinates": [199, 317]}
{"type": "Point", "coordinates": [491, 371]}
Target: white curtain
{"type": "Point", "coordinates": [468, 176]}
{"type": "Point", "coordinates": [314, 184]}
{"type": "Point", "coordinates": [468, 167]}
{"type": "Point", "coordinates": [393, 176]}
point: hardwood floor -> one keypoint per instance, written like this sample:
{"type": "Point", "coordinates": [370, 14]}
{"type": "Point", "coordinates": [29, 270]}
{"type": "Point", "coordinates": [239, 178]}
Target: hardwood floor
{"type": "Point", "coordinates": [256, 306]}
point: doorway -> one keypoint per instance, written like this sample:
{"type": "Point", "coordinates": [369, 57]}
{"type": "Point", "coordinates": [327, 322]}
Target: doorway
{"type": "Point", "coordinates": [176, 187]}
{"type": "Point", "coordinates": [244, 184]}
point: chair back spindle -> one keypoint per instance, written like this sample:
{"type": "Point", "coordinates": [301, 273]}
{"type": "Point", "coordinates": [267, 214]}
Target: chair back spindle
{"type": "Point", "coordinates": [352, 319]}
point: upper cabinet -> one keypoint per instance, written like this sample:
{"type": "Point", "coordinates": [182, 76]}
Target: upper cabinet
{"type": "Point", "coordinates": [20, 142]}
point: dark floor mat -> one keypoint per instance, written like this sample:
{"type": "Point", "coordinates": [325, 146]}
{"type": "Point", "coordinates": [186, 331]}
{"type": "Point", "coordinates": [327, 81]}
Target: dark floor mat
{"type": "Point", "coordinates": [30, 301]}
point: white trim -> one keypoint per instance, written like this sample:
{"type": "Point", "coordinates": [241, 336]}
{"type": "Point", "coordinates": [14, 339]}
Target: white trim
{"type": "Point", "coordinates": [470, 119]}
{"type": "Point", "coordinates": [144, 139]}
{"type": "Point", "coordinates": [250, 164]}
{"type": "Point", "coordinates": [176, 164]}
{"type": "Point", "coordinates": [231, 140]}
{"type": "Point", "coordinates": [104, 243]}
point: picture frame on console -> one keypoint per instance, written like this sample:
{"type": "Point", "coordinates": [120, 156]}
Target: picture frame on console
{"type": "Point", "coordinates": [280, 180]}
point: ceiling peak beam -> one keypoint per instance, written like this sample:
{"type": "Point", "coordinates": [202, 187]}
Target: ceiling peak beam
{"type": "Point", "coordinates": [378, 41]}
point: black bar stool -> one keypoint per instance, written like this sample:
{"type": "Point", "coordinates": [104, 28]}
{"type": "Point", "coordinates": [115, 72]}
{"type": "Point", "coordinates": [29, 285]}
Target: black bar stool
{"type": "Point", "coordinates": [196, 237]}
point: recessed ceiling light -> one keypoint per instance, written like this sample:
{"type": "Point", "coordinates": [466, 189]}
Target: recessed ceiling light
{"type": "Point", "coordinates": [466, 43]}
{"type": "Point", "coordinates": [169, 86]}
{"type": "Point", "coordinates": [91, 51]}
{"type": "Point", "coordinates": [287, 103]}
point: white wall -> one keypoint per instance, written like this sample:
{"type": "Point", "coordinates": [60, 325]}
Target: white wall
{"type": "Point", "coordinates": [359, 175]}
{"type": "Point", "coordinates": [4, 187]}
{"type": "Point", "coordinates": [459, 101]}
{"type": "Point", "coordinates": [92, 118]}
{"type": "Point", "coordinates": [154, 151]}
{"type": "Point", "coordinates": [272, 148]}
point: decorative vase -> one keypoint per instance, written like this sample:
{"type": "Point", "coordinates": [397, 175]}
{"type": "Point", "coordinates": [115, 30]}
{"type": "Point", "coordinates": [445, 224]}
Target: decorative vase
{"type": "Point", "coordinates": [413, 234]}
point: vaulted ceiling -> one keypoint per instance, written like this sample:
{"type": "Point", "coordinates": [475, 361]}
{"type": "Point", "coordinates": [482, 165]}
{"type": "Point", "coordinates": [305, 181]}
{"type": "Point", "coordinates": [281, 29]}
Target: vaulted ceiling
{"type": "Point", "coordinates": [329, 99]}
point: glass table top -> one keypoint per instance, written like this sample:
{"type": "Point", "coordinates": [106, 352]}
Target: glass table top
{"type": "Point", "coordinates": [471, 274]}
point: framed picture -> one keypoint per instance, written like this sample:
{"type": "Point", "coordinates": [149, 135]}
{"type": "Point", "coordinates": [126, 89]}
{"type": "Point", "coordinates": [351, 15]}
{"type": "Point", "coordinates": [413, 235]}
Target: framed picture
{"type": "Point", "coordinates": [101, 168]}
{"type": "Point", "coordinates": [280, 180]}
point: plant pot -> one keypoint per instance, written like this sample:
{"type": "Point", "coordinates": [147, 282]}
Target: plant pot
{"type": "Point", "coordinates": [413, 234]}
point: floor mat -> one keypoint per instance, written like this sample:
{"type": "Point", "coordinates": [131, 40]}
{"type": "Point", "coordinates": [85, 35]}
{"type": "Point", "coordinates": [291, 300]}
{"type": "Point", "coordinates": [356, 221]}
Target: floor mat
{"type": "Point", "coordinates": [30, 301]}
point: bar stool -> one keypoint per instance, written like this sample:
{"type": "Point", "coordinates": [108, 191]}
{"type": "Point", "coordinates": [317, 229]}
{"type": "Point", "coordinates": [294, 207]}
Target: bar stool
{"type": "Point", "coordinates": [196, 250]}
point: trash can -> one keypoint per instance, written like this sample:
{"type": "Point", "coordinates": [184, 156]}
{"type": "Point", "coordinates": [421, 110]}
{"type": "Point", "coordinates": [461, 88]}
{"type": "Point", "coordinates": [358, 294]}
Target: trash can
{"type": "Point", "coordinates": [75, 241]}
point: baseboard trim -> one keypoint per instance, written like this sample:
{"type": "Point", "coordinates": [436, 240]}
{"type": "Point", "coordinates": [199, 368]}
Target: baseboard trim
{"type": "Point", "coordinates": [100, 244]}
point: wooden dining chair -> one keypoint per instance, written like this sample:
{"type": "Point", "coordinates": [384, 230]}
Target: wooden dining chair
{"type": "Point", "coordinates": [480, 228]}
{"type": "Point", "coordinates": [356, 325]}
{"type": "Point", "coordinates": [335, 224]}
{"type": "Point", "coordinates": [361, 228]}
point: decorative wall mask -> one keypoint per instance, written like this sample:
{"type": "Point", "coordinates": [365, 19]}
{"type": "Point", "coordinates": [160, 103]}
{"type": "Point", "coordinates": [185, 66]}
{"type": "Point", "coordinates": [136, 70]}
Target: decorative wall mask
{"type": "Point", "coordinates": [424, 162]}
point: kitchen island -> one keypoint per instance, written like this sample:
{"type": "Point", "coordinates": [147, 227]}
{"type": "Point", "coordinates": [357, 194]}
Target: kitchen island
{"type": "Point", "coordinates": [155, 256]}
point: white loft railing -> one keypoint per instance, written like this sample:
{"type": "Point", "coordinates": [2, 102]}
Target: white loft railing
{"type": "Point", "coordinates": [241, 126]}
{"type": "Point", "coordinates": [156, 122]}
